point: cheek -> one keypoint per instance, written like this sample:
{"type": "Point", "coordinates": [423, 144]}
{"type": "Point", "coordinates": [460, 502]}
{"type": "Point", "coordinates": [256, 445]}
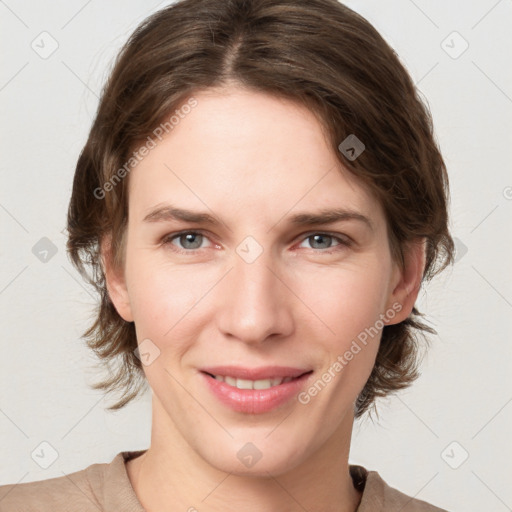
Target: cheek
{"type": "Point", "coordinates": [347, 300]}
{"type": "Point", "coordinates": [163, 299]}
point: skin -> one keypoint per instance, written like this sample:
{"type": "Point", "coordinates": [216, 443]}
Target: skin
{"type": "Point", "coordinates": [252, 160]}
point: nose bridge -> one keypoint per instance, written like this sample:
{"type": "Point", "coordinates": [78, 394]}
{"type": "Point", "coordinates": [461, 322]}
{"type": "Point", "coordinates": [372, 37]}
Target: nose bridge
{"type": "Point", "coordinates": [254, 305]}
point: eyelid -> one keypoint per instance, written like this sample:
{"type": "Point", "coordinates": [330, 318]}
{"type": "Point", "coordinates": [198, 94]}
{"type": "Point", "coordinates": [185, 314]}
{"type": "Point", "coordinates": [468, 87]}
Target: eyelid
{"type": "Point", "coordinates": [339, 236]}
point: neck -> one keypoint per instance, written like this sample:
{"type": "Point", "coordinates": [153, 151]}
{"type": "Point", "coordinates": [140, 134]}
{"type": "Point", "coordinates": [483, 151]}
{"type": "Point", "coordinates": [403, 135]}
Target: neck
{"type": "Point", "coordinates": [172, 476]}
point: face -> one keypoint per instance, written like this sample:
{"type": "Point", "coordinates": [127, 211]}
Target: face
{"type": "Point", "coordinates": [252, 285]}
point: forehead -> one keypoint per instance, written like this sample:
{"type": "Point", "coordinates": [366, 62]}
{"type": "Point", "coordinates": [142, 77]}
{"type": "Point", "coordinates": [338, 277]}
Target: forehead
{"type": "Point", "coordinates": [244, 151]}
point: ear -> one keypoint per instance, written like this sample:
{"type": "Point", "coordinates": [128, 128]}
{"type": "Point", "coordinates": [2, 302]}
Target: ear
{"type": "Point", "coordinates": [407, 281]}
{"type": "Point", "coordinates": [115, 280]}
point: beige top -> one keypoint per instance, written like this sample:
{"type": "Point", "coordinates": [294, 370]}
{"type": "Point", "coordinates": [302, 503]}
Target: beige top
{"type": "Point", "coordinates": [106, 487]}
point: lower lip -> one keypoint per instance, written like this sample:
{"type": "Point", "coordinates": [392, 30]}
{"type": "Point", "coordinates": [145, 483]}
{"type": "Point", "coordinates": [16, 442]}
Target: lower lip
{"type": "Point", "coordinates": [255, 401]}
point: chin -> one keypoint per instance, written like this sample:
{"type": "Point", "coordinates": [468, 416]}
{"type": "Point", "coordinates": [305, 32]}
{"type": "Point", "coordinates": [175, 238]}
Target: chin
{"type": "Point", "coordinates": [256, 459]}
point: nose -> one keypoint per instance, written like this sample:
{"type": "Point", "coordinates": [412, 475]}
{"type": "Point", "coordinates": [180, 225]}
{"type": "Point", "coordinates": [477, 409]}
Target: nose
{"type": "Point", "coordinates": [254, 303]}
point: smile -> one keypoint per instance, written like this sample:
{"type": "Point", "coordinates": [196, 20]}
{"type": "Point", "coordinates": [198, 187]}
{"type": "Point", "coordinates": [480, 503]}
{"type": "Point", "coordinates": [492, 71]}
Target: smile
{"type": "Point", "coordinates": [252, 384]}
{"type": "Point", "coordinates": [255, 396]}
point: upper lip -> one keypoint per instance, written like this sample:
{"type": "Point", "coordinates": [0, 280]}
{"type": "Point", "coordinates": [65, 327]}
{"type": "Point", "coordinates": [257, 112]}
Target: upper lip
{"type": "Point", "coordinates": [263, 372]}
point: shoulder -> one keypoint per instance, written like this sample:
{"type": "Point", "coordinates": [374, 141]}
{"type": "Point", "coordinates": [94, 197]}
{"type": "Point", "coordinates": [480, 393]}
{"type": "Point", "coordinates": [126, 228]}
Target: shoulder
{"type": "Point", "coordinates": [73, 491]}
{"type": "Point", "coordinates": [87, 490]}
{"type": "Point", "coordinates": [378, 496]}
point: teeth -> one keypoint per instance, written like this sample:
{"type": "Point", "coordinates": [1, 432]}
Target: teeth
{"type": "Point", "coordinates": [252, 384]}
{"type": "Point", "coordinates": [230, 380]}
{"type": "Point", "coordinates": [243, 384]}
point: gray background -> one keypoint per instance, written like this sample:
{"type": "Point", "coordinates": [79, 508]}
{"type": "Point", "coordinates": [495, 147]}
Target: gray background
{"type": "Point", "coordinates": [459, 407]}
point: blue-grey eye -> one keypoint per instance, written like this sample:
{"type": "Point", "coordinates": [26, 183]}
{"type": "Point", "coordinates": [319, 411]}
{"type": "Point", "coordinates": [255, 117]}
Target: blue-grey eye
{"type": "Point", "coordinates": [321, 241]}
{"type": "Point", "coordinates": [190, 240]}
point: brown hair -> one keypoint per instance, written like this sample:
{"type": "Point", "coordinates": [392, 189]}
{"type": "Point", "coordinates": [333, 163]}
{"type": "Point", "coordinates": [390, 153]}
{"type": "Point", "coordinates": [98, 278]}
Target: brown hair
{"type": "Point", "coordinates": [317, 52]}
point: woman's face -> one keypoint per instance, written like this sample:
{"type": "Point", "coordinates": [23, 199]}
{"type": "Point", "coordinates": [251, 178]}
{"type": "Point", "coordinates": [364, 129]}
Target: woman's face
{"type": "Point", "coordinates": [253, 285]}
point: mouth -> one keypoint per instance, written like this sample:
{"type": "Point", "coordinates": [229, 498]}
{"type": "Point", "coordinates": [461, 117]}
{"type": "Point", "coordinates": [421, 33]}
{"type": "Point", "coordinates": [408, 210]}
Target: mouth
{"type": "Point", "coordinates": [267, 389]}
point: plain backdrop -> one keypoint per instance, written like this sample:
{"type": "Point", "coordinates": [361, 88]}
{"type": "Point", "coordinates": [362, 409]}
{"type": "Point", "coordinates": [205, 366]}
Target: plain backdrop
{"type": "Point", "coordinates": [445, 439]}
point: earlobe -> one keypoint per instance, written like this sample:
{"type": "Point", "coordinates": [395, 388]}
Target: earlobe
{"type": "Point", "coordinates": [407, 282]}
{"type": "Point", "coordinates": [115, 281]}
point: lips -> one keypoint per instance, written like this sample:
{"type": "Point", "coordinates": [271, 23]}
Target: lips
{"type": "Point", "coordinates": [255, 390]}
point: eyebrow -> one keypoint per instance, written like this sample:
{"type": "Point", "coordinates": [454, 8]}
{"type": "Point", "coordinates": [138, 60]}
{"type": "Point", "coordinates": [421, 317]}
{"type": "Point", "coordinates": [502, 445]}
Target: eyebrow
{"type": "Point", "coordinates": [164, 213]}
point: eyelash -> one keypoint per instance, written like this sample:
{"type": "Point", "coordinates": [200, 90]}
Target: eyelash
{"type": "Point", "coordinates": [342, 242]}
